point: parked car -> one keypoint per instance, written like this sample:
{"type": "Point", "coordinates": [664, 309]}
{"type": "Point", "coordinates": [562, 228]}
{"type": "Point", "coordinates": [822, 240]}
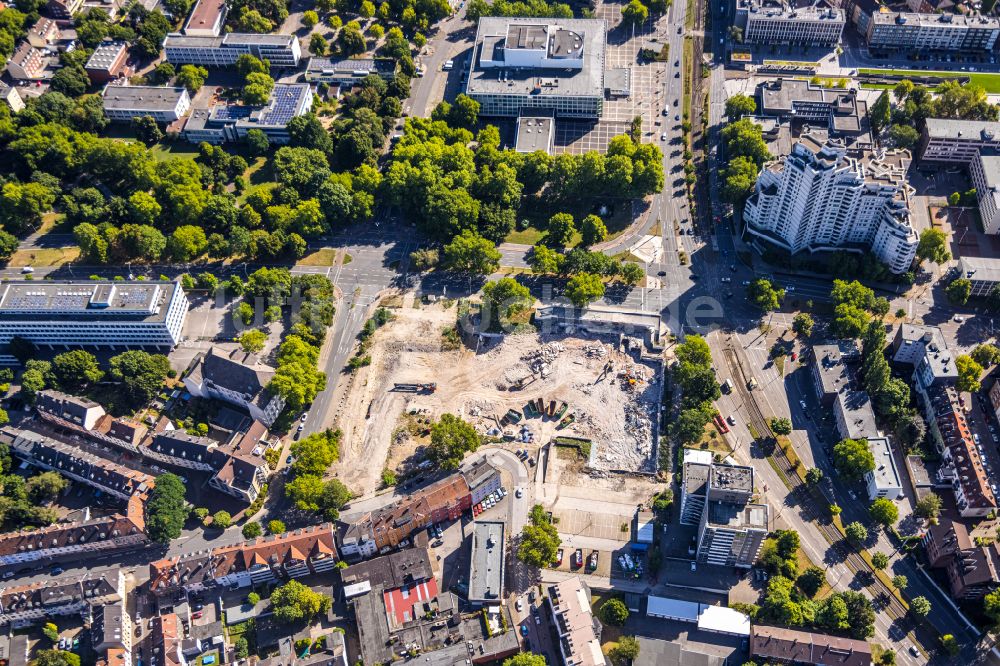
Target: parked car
{"type": "Point", "coordinates": [559, 556]}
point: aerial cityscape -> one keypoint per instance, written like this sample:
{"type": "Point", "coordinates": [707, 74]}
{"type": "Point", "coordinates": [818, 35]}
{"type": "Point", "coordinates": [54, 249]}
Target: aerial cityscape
{"type": "Point", "coordinates": [513, 333]}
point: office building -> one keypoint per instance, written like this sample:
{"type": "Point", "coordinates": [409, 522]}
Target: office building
{"type": "Point", "coordinates": [238, 378]}
{"type": "Point", "coordinates": [27, 63]}
{"type": "Point", "coordinates": [984, 172]}
{"type": "Point", "coordinates": [109, 61]}
{"type": "Point", "coordinates": [883, 481]}
{"type": "Point", "coordinates": [973, 571]}
{"type": "Point", "coordinates": [25, 605]}
{"type": "Point", "coordinates": [925, 349]}
{"type": "Point", "coordinates": [820, 198]}
{"type": "Point", "coordinates": [112, 315]}
{"type": "Point", "coordinates": [42, 33]}
{"type": "Point", "coordinates": [932, 32]}
{"type": "Point", "coordinates": [523, 65]}
{"type": "Point", "coordinates": [982, 272]}
{"type": "Point", "coordinates": [163, 104]}
{"type": "Point", "coordinates": [789, 646]}
{"type": "Point", "coordinates": [10, 95]}
{"type": "Point", "coordinates": [230, 122]}
{"type": "Point", "coordinates": [776, 22]}
{"type": "Point", "coordinates": [486, 563]}
{"type": "Point", "coordinates": [838, 111]}
{"type": "Point", "coordinates": [717, 499]}
{"type": "Point", "coordinates": [279, 50]}
{"type": "Point", "coordinates": [348, 71]}
{"type": "Point", "coordinates": [574, 621]}
{"type": "Point", "coordinates": [945, 140]}
{"type": "Point", "coordinates": [206, 19]}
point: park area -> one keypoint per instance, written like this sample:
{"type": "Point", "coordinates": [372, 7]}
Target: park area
{"type": "Point", "coordinates": [989, 82]}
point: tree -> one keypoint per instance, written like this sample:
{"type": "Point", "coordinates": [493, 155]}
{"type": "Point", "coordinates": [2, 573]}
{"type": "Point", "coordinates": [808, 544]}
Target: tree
{"type": "Point", "coordinates": [905, 136]}
{"type": "Point", "coordinates": [969, 373]}
{"type": "Point", "coordinates": [55, 657]}
{"type": "Point", "coordinates": [524, 658]}
{"type": "Point", "coordinates": [884, 512]}
{"type": "Point", "coordinates": [166, 509]}
{"type": "Point", "coordinates": [222, 519]}
{"type": "Point", "coordinates": [928, 506]}
{"type": "Point", "coordinates": [634, 13]}
{"type": "Point", "coordinates": [464, 112]}
{"type": "Point", "coordinates": [241, 646]}
{"type": "Point", "coordinates": [544, 259]}
{"type": "Point", "coordinates": [276, 527]}
{"type": "Point", "coordinates": [900, 582]}
{"type": "Point", "coordinates": [451, 439]}
{"type": "Point", "coordinates": [293, 602]}
{"type": "Point", "coordinates": [738, 179]}
{"type": "Point", "coordinates": [584, 288]}
{"type": "Point", "coordinates": [45, 487]}
{"type": "Point", "coordinates": [632, 273]}
{"type": "Point", "coordinates": [856, 532]}
{"type": "Point", "coordinates": [986, 354]}
{"type": "Point", "coordinates": [781, 426]}
{"type": "Point", "coordinates": [8, 245]}
{"type": "Point", "coordinates": [765, 294]}
{"type": "Point", "coordinates": [314, 454]}
{"type": "Point", "coordinates": [933, 246]}
{"type": "Point", "coordinates": [920, 606]}
{"type": "Point", "coordinates": [141, 374]}
{"type": "Point", "coordinates": [814, 475]}
{"type": "Point", "coordinates": [958, 291]}
{"type": "Point", "coordinates": [902, 90]}
{"type": "Point", "coordinates": [803, 324]}
{"type": "Point", "coordinates": [880, 560]}
{"type": "Point", "coordinates": [852, 458]}
{"type": "Point", "coordinates": [192, 77]}
{"type": "Point", "coordinates": [51, 632]}
{"type": "Point", "coordinates": [76, 369]}
{"type": "Point", "coordinates": [539, 540]}
{"type": "Point", "coordinates": [593, 230]}
{"type": "Point", "coordinates": [625, 651]}
{"type": "Point", "coordinates": [334, 496]}
{"type": "Point", "coordinates": [257, 88]}
{"type": "Point", "coordinates": [146, 129]}
{"type": "Point", "coordinates": [811, 580]}
{"type": "Point", "coordinates": [738, 106]}
{"type": "Point", "coordinates": [317, 44]}
{"type": "Point", "coordinates": [504, 298]}
{"type": "Point", "coordinates": [310, 18]}
{"type": "Point", "coordinates": [71, 81]}
{"type": "Point", "coordinates": [471, 253]}
{"type": "Point", "coordinates": [257, 142]}
{"type": "Point", "coordinates": [560, 229]}
{"type": "Point", "coordinates": [614, 612]}
{"type": "Point", "coordinates": [252, 340]}
{"type": "Point", "coordinates": [187, 242]}
{"type": "Point", "coordinates": [252, 531]}
{"type": "Point", "coordinates": [880, 112]}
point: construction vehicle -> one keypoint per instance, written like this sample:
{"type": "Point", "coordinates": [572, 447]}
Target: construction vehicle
{"type": "Point", "coordinates": [513, 416]}
{"type": "Point", "coordinates": [524, 381]}
{"type": "Point", "coordinates": [567, 420]}
{"type": "Point", "coordinates": [552, 408]}
{"type": "Point", "coordinates": [415, 388]}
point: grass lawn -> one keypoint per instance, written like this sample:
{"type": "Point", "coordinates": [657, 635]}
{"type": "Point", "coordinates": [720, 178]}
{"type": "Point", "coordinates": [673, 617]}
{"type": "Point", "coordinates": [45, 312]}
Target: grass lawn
{"type": "Point", "coordinates": [990, 82]}
{"type": "Point", "coordinates": [538, 214]}
{"type": "Point", "coordinates": [323, 257]}
{"type": "Point", "coordinates": [48, 256]}
{"type": "Point", "coordinates": [169, 151]}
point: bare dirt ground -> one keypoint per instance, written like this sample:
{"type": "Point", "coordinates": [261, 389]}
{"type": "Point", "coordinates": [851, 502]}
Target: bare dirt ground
{"type": "Point", "coordinates": [613, 406]}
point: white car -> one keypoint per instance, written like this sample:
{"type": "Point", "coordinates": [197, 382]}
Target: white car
{"type": "Point", "coordinates": [663, 137]}
{"type": "Point", "coordinates": [518, 493]}
{"type": "Point", "coordinates": [959, 319]}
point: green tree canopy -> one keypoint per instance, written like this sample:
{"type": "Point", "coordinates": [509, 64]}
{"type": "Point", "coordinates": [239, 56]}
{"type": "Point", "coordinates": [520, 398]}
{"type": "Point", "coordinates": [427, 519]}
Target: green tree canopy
{"type": "Point", "coordinates": [969, 373]}
{"type": "Point", "coordinates": [614, 612]}
{"type": "Point", "coordinates": [451, 439]}
{"type": "Point", "coordinates": [166, 509]}
{"type": "Point", "coordinates": [765, 294]}
{"type": "Point", "coordinates": [740, 105]}
{"type": "Point", "coordinates": [584, 288]}
{"type": "Point", "coordinates": [471, 253]}
{"type": "Point", "coordinates": [76, 369]}
{"type": "Point", "coordinates": [295, 603]}
{"type": "Point", "coordinates": [852, 458]}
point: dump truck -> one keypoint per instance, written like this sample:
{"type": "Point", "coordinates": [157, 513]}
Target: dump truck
{"type": "Point", "coordinates": [513, 416]}
{"type": "Point", "coordinates": [567, 420]}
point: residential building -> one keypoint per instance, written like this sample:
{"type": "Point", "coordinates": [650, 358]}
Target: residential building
{"type": "Point", "coordinates": [163, 104]}
{"type": "Point", "coordinates": [833, 371]}
{"type": "Point", "coordinates": [10, 95]}
{"type": "Point", "coordinates": [348, 71]}
{"type": "Point", "coordinates": [932, 32]}
{"type": "Point", "coordinates": [957, 141]}
{"type": "Point", "coordinates": [924, 348]}
{"type": "Point", "coordinates": [112, 628]}
{"type": "Point", "coordinates": [392, 526]}
{"type": "Point", "coordinates": [775, 22]}
{"type": "Point", "coordinates": [789, 646]}
{"type": "Point", "coordinates": [77, 541]}
{"type": "Point", "coordinates": [206, 19]}
{"type": "Point", "coordinates": [223, 51]}
{"type": "Point", "coordinates": [994, 395]}
{"type": "Point", "coordinates": [240, 473]}
{"type": "Point", "coordinates": [819, 199]}
{"type": "Point", "coordinates": [112, 315]}
{"type": "Point", "coordinates": [717, 499]}
{"type": "Point", "coordinates": [27, 63]}
{"type": "Point", "coordinates": [837, 110]}
{"type": "Point", "coordinates": [80, 414]}
{"type": "Point", "coordinates": [110, 61]}
{"type": "Point", "coordinates": [984, 172]}
{"type": "Point", "coordinates": [24, 605]}
{"type": "Point", "coordinates": [278, 557]}
{"type": "Point", "coordinates": [982, 272]}
{"type": "Point", "coordinates": [854, 416]}
{"type": "Point", "coordinates": [43, 32]}
{"type": "Point", "coordinates": [659, 652]}
{"type": "Point", "coordinates": [238, 378]}
{"type": "Point", "coordinates": [574, 621]}
{"type": "Point", "coordinates": [883, 481]}
{"type": "Point", "coordinates": [520, 65]}
{"type": "Point", "coordinates": [973, 571]}
{"type": "Point", "coordinates": [231, 122]}
{"type": "Point", "coordinates": [486, 565]}
{"type": "Point", "coordinates": [63, 10]}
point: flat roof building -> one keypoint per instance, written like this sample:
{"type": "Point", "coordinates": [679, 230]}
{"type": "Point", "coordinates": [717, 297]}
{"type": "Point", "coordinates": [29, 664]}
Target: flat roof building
{"type": "Point", "coordinates": [802, 647]}
{"type": "Point", "coordinates": [831, 371]}
{"type": "Point", "coordinates": [111, 315]}
{"type": "Point", "coordinates": [852, 411]}
{"type": "Point", "coordinates": [578, 630]}
{"type": "Point", "coordinates": [230, 122]}
{"type": "Point", "coordinates": [837, 110]}
{"type": "Point", "coordinates": [957, 141]}
{"type": "Point", "coordinates": [883, 481]}
{"type": "Point", "coordinates": [107, 62]}
{"type": "Point", "coordinates": [533, 134]}
{"type": "Point", "coordinates": [779, 22]}
{"type": "Point", "coordinates": [983, 272]}
{"type": "Point", "coordinates": [932, 32]}
{"type": "Point", "coordinates": [487, 563]}
{"type": "Point", "coordinates": [347, 71]}
{"type": "Point", "coordinates": [279, 50]}
{"type": "Point", "coordinates": [523, 64]}
{"type": "Point", "coordinates": [984, 171]}
{"type": "Point", "coordinates": [206, 19]}
{"type": "Point", "coordinates": [165, 105]}
{"type": "Point", "coordinates": [926, 350]}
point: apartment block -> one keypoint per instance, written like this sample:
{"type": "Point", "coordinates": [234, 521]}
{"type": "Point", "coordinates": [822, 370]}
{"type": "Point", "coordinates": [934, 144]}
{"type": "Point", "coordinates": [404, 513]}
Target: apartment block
{"type": "Point", "coordinates": [12, 98]}
{"type": "Point", "coordinates": [42, 33]}
{"type": "Point", "coordinates": [163, 104]}
{"type": "Point", "coordinates": [110, 315]}
{"type": "Point", "coordinates": [238, 378]}
{"type": "Point", "coordinates": [945, 140]}
{"type": "Point", "coordinates": [789, 646]}
{"type": "Point", "coordinates": [984, 171]}
{"type": "Point", "coordinates": [834, 369]}
{"type": "Point", "coordinates": [925, 349]}
{"type": "Point", "coordinates": [25, 605]}
{"type": "Point", "coordinates": [100, 537]}
{"type": "Point", "coordinates": [932, 32]}
{"type": "Point", "coordinates": [823, 198]}
{"type": "Point", "coordinates": [883, 481]}
{"type": "Point", "coordinates": [779, 22]}
{"type": "Point", "coordinates": [223, 51]}
{"type": "Point", "coordinates": [110, 61]}
{"type": "Point", "coordinates": [973, 571]}
{"type": "Point", "coordinates": [27, 63]}
{"type": "Point", "coordinates": [295, 554]}
{"type": "Point", "coordinates": [486, 565]}
{"type": "Point", "coordinates": [523, 64]}
{"type": "Point", "coordinates": [578, 629]}
{"type": "Point", "coordinates": [63, 10]}
{"type": "Point", "coordinates": [206, 19]}
{"type": "Point", "coordinates": [348, 71]}
{"type": "Point", "coordinates": [230, 122]}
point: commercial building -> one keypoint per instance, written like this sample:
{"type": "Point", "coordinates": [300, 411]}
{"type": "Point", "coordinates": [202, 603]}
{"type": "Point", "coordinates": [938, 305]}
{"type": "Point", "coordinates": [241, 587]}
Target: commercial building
{"type": "Point", "coordinates": [27, 63]}
{"type": "Point", "coordinates": [715, 619]}
{"type": "Point", "coordinates": [10, 95]}
{"type": "Point", "coordinates": [42, 33]}
{"type": "Point", "coordinates": [347, 71]}
{"type": "Point", "coordinates": [932, 32]}
{"type": "Point", "coordinates": [778, 22]}
{"type": "Point", "coordinates": [206, 19]}
{"type": "Point", "coordinates": [523, 65]}
{"type": "Point", "coordinates": [805, 104]}
{"type": "Point", "coordinates": [163, 104]}
{"type": "Point", "coordinates": [486, 566]}
{"type": "Point", "coordinates": [295, 554]}
{"type": "Point", "coordinates": [279, 50]}
{"type": "Point", "coordinates": [789, 646]}
{"type": "Point", "coordinates": [883, 481]}
{"type": "Point", "coordinates": [833, 370]}
{"type": "Point", "coordinates": [982, 272]}
{"type": "Point", "coordinates": [854, 416]}
{"type": "Point", "coordinates": [574, 621]}
{"type": "Point", "coordinates": [112, 315]}
{"type": "Point", "coordinates": [984, 172]}
{"type": "Point", "coordinates": [109, 61]}
{"type": "Point", "coordinates": [24, 605]}
{"type": "Point", "coordinates": [231, 122]}
{"type": "Point", "coordinates": [238, 378]}
{"type": "Point", "coordinates": [957, 141]}
{"type": "Point", "coordinates": [717, 499]}
{"type": "Point", "coordinates": [973, 571]}
{"type": "Point", "coordinates": [533, 134]}
{"type": "Point", "coordinates": [820, 198]}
